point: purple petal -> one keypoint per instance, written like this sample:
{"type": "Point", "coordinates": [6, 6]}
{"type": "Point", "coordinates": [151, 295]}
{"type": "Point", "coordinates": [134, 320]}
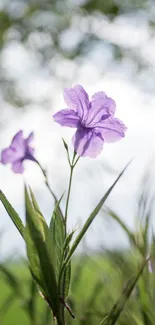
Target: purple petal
{"type": "Point", "coordinates": [18, 167]}
{"type": "Point", "coordinates": [102, 107]}
{"type": "Point", "coordinates": [67, 117]}
{"type": "Point", "coordinates": [18, 143]}
{"type": "Point", "coordinates": [8, 155]}
{"type": "Point", "coordinates": [101, 100]}
{"type": "Point", "coordinates": [112, 129]}
{"type": "Point", "coordinates": [30, 138]}
{"type": "Point", "coordinates": [17, 139]}
{"type": "Point", "coordinates": [77, 99]}
{"type": "Point", "coordinates": [29, 151]}
{"type": "Point", "coordinates": [87, 143]}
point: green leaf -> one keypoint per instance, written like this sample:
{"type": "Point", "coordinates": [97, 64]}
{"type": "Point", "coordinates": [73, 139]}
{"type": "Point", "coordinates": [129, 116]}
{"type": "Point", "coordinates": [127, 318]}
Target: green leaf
{"type": "Point", "coordinates": [12, 214]}
{"type": "Point", "coordinates": [40, 219]}
{"type": "Point", "coordinates": [39, 255]}
{"type": "Point", "coordinates": [91, 218]}
{"type": "Point", "coordinates": [68, 239]}
{"type": "Point", "coordinates": [67, 280]}
{"type": "Point", "coordinates": [32, 254]}
{"type": "Point", "coordinates": [67, 273]}
{"type": "Point", "coordinates": [57, 233]}
{"type": "Point", "coordinates": [120, 303]}
{"type": "Point", "coordinates": [34, 201]}
{"type": "Point", "coordinates": [145, 299]}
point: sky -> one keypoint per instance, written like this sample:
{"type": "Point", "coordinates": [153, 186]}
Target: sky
{"type": "Point", "coordinates": [135, 107]}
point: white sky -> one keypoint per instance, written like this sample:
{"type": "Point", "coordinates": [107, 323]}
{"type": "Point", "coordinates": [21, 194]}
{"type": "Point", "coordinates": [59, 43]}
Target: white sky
{"type": "Point", "coordinates": [134, 106]}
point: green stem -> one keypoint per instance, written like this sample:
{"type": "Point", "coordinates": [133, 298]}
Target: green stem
{"type": "Point", "coordinates": [65, 222]}
{"type": "Point", "coordinates": [47, 182]}
{"type": "Point", "coordinates": [72, 165]}
{"type": "Point", "coordinates": [76, 161]}
{"type": "Point", "coordinates": [48, 186]}
{"type": "Point", "coordinates": [69, 190]}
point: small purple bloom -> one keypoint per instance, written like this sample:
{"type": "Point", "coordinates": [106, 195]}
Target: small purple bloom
{"type": "Point", "coordinates": [18, 151]}
{"type": "Point", "coordinates": [94, 120]}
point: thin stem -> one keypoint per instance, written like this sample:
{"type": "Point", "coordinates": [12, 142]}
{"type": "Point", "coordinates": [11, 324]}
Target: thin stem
{"type": "Point", "coordinates": [76, 161]}
{"type": "Point", "coordinates": [65, 223]}
{"type": "Point", "coordinates": [68, 194]}
{"type": "Point", "coordinates": [69, 186]}
{"type": "Point", "coordinates": [72, 165]}
{"type": "Point", "coordinates": [48, 186]}
{"type": "Point", "coordinates": [47, 182]}
{"type": "Point", "coordinates": [68, 157]}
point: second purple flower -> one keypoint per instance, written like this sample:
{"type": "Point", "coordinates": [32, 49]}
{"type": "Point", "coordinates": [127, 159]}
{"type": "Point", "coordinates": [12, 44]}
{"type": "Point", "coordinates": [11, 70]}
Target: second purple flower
{"type": "Point", "coordinates": [19, 150]}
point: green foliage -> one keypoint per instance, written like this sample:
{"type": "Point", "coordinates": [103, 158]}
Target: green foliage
{"type": "Point", "coordinates": [94, 299]}
{"type": "Point", "coordinates": [57, 231]}
{"type": "Point", "coordinates": [20, 301]}
{"type": "Point", "coordinates": [91, 218]}
{"type": "Point", "coordinates": [48, 248]}
{"type": "Point", "coordinates": [118, 307]}
{"type": "Point", "coordinates": [46, 251]}
{"type": "Point", "coordinates": [96, 285]}
{"type": "Point", "coordinates": [12, 214]}
{"type": "Point", "coordinates": [39, 252]}
{"type": "Point", "coordinates": [67, 280]}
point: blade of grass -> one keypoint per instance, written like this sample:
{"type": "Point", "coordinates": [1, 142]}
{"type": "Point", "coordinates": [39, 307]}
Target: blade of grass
{"type": "Point", "coordinates": [12, 214]}
{"type": "Point", "coordinates": [92, 217]}
{"type": "Point", "coordinates": [118, 307]}
{"type": "Point", "coordinates": [38, 231]}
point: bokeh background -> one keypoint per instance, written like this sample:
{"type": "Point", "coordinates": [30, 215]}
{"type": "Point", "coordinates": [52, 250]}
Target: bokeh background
{"type": "Point", "coordinates": [108, 46]}
{"type": "Point", "coordinates": [103, 45]}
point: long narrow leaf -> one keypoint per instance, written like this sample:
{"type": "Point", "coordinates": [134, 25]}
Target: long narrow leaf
{"type": "Point", "coordinates": [67, 280]}
{"type": "Point", "coordinates": [38, 233]}
{"type": "Point", "coordinates": [38, 216]}
{"type": "Point", "coordinates": [92, 217]}
{"type": "Point", "coordinates": [32, 253]}
{"type": "Point", "coordinates": [34, 201]}
{"type": "Point", "coordinates": [33, 258]}
{"type": "Point", "coordinates": [57, 234]}
{"type": "Point", "coordinates": [12, 214]}
{"type": "Point", "coordinates": [120, 304]}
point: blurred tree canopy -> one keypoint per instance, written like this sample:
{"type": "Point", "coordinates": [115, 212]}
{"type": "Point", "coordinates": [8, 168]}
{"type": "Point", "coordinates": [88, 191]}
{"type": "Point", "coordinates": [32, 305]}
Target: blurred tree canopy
{"type": "Point", "coordinates": [56, 30]}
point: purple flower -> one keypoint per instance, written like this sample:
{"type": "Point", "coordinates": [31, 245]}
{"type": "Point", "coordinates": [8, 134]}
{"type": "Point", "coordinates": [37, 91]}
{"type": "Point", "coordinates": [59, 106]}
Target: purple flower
{"type": "Point", "coordinates": [94, 120]}
{"type": "Point", "coordinates": [18, 151]}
